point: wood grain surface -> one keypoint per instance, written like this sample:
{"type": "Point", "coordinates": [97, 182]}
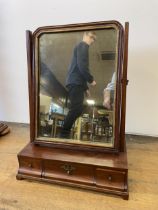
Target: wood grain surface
{"type": "Point", "coordinates": [27, 195]}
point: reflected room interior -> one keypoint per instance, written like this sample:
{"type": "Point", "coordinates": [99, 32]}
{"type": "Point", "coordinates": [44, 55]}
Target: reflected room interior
{"type": "Point", "coordinates": [97, 123]}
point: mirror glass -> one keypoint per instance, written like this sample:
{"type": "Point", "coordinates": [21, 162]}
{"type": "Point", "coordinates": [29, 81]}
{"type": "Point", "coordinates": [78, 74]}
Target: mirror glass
{"type": "Point", "coordinates": [77, 77]}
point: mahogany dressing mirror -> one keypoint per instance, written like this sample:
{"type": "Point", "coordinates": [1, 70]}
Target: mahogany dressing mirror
{"type": "Point", "coordinates": [77, 94]}
{"type": "Point", "coordinates": [98, 121]}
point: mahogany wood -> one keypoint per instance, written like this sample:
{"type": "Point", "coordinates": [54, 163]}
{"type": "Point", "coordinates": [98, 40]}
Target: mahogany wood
{"type": "Point", "coordinates": [29, 47]}
{"type": "Point", "coordinates": [100, 172]}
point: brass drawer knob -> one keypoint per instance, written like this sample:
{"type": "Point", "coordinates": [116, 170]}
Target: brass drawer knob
{"type": "Point", "coordinates": [109, 178]}
{"type": "Point", "coordinates": [68, 168]}
{"type": "Point", "coordinates": [30, 165]}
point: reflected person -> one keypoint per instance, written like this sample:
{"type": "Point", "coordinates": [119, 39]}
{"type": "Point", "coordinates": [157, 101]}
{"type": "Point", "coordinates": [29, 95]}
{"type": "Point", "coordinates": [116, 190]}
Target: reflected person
{"type": "Point", "coordinates": [76, 82]}
{"type": "Point", "coordinates": [109, 93]}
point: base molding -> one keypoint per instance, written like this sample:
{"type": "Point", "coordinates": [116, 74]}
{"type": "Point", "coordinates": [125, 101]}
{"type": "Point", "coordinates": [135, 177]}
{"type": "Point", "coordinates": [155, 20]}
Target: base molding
{"type": "Point", "coordinates": [107, 173]}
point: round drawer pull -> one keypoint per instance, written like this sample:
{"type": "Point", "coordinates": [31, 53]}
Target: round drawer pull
{"type": "Point", "coordinates": [109, 178]}
{"type": "Point", "coordinates": [30, 165]}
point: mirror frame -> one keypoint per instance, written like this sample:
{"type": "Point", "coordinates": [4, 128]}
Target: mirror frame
{"type": "Point", "coordinates": [33, 74]}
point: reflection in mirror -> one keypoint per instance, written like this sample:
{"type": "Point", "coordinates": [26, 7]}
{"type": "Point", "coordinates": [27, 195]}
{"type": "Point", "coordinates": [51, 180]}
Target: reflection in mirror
{"type": "Point", "coordinates": [77, 86]}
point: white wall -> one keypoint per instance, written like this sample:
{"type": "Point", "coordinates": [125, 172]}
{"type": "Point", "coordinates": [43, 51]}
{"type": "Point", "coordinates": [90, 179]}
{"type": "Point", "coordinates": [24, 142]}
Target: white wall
{"type": "Point", "coordinates": [45, 103]}
{"type": "Point", "coordinates": [18, 15]}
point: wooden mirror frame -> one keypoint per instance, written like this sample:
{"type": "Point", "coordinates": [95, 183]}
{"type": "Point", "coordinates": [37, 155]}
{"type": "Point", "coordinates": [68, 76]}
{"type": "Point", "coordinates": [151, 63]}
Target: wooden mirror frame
{"type": "Point", "coordinates": [100, 169]}
{"type": "Point", "coordinates": [32, 54]}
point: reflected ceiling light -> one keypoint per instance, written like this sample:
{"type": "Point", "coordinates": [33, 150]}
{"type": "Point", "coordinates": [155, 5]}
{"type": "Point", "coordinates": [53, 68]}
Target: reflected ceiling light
{"type": "Point", "coordinates": [90, 102]}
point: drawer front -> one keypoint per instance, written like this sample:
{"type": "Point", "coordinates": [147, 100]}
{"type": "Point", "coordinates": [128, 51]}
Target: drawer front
{"type": "Point", "coordinates": [110, 179]}
{"type": "Point", "coordinates": [68, 172]}
{"type": "Point", "coordinates": [30, 166]}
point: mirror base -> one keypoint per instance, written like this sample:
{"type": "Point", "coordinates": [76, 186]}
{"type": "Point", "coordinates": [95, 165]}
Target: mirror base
{"type": "Point", "coordinates": [107, 173]}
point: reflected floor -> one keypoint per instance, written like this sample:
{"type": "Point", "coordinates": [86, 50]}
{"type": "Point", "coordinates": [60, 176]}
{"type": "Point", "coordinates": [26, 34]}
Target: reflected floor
{"type": "Point", "coordinates": [104, 143]}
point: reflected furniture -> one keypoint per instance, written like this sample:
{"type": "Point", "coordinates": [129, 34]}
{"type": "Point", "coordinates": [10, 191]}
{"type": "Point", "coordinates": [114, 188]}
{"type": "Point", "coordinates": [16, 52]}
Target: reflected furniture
{"type": "Point", "coordinates": [58, 120]}
{"type": "Point", "coordinates": [87, 165]}
{"type": "Point", "coordinates": [96, 128]}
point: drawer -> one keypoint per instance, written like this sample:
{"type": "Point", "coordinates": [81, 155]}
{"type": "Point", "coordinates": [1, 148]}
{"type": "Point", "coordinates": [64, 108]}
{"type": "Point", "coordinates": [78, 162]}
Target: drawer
{"type": "Point", "coordinates": [66, 171]}
{"type": "Point", "coordinates": [30, 166]}
{"type": "Point", "coordinates": [110, 179]}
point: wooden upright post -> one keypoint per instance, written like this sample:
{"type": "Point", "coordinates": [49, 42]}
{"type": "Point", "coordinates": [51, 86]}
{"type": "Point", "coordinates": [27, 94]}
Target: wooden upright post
{"type": "Point", "coordinates": [124, 84]}
{"type": "Point", "coordinates": [30, 81]}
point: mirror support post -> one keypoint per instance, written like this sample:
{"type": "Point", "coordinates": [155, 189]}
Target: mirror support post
{"type": "Point", "coordinates": [30, 81]}
{"type": "Point", "coordinates": [124, 84]}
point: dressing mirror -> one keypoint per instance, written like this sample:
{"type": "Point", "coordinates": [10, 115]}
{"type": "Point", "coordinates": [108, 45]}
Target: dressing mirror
{"type": "Point", "coordinates": [98, 122]}
{"type": "Point", "coordinates": [77, 140]}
